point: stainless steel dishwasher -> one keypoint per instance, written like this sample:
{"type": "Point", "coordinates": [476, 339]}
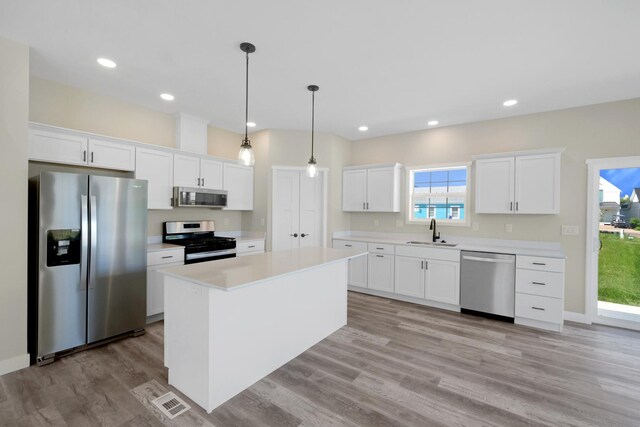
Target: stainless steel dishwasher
{"type": "Point", "coordinates": [487, 283]}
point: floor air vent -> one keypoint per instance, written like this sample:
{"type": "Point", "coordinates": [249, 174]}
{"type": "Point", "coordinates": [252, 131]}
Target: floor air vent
{"type": "Point", "coordinates": [171, 405]}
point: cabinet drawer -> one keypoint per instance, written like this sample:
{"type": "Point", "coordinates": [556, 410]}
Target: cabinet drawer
{"type": "Point", "coordinates": [415, 251]}
{"type": "Point", "coordinates": [165, 257]}
{"type": "Point", "coordinates": [250, 246]}
{"type": "Point", "coordinates": [535, 307]}
{"type": "Point", "coordinates": [381, 248]}
{"type": "Point", "coordinates": [540, 263]}
{"type": "Point", "coordinates": [347, 244]}
{"type": "Point", "coordinates": [543, 283]}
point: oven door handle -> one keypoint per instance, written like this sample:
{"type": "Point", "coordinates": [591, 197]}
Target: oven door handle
{"type": "Point", "coordinates": [199, 255]}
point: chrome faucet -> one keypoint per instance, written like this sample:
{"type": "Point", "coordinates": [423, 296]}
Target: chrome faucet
{"type": "Point", "coordinates": [432, 226]}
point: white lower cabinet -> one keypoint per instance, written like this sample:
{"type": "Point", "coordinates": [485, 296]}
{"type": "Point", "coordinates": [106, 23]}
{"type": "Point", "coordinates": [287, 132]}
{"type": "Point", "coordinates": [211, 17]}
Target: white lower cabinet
{"type": "Point", "coordinates": [358, 267]}
{"type": "Point", "coordinates": [381, 276]}
{"type": "Point", "coordinates": [442, 281]}
{"type": "Point", "coordinates": [156, 260]}
{"type": "Point", "coordinates": [249, 247]}
{"type": "Point", "coordinates": [410, 277]}
{"type": "Point", "coordinates": [540, 292]}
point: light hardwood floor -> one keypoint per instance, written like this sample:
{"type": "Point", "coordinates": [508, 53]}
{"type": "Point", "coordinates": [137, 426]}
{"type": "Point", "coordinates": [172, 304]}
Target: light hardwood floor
{"type": "Point", "coordinates": [394, 364]}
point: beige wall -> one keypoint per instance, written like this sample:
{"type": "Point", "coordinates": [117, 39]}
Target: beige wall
{"type": "Point", "coordinates": [69, 107]}
{"type": "Point", "coordinates": [605, 130]}
{"type": "Point", "coordinates": [293, 148]}
{"type": "Point", "coordinates": [14, 115]}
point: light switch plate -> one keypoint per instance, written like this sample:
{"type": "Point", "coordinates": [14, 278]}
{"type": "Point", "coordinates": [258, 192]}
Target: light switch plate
{"type": "Point", "coordinates": [508, 228]}
{"type": "Point", "coordinates": [570, 230]}
{"type": "Point", "coordinates": [475, 226]}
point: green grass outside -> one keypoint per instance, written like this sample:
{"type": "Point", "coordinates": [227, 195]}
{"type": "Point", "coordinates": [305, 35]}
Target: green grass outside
{"type": "Point", "coordinates": [619, 270]}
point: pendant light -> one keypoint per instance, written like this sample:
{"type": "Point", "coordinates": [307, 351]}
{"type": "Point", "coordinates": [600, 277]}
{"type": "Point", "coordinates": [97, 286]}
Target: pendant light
{"type": "Point", "coordinates": [312, 169]}
{"type": "Point", "coordinates": [245, 156]}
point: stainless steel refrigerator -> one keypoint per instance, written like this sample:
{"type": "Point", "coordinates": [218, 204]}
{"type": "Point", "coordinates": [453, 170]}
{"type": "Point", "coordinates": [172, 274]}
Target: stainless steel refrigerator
{"type": "Point", "coordinates": [87, 261]}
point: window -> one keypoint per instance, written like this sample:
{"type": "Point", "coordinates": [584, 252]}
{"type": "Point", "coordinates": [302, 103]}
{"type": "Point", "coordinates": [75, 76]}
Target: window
{"type": "Point", "coordinates": [438, 193]}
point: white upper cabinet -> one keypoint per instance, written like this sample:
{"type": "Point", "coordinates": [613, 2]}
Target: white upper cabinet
{"type": "Point", "coordinates": [197, 172]}
{"type": "Point", "coordinates": [57, 147]}
{"type": "Point", "coordinates": [372, 188]}
{"type": "Point", "coordinates": [238, 181]}
{"type": "Point", "coordinates": [211, 172]}
{"type": "Point", "coordinates": [186, 171]}
{"type": "Point", "coordinates": [156, 167]}
{"type": "Point", "coordinates": [354, 190]}
{"type": "Point", "coordinates": [111, 155]}
{"type": "Point", "coordinates": [520, 183]}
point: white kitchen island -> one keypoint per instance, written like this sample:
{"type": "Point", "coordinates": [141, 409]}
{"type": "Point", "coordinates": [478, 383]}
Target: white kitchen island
{"type": "Point", "coordinates": [231, 322]}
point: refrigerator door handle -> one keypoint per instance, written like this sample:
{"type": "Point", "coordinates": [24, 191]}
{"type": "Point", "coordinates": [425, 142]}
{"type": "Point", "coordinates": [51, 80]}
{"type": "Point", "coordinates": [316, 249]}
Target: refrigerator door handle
{"type": "Point", "coordinates": [94, 234]}
{"type": "Point", "coordinates": [84, 241]}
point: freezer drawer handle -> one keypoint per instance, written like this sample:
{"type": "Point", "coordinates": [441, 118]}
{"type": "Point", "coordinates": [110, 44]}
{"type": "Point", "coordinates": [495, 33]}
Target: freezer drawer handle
{"type": "Point", "coordinates": [538, 308]}
{"type": "Point", "coordinates": [494, 260]}
{"type": "Point", "coordinates": [167, 257]}
{"type": "Point", "coordinates": [539, 283]}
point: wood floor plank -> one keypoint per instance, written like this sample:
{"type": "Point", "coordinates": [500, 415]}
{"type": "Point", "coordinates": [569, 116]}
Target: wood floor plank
{"type": "Point", "coordinates": [395, 363]}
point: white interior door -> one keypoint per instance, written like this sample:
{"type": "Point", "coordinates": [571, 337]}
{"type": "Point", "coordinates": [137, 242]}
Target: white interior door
{"type": "Point", "coordinates": [286, 210]}
{"type": "Point", "coordinates": [310, 210]}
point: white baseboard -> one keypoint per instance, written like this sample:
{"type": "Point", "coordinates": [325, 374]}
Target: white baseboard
{"type": "Point", "coordinates": [572, 316]}
{"type": "Point", "coordinates": [14, 363]}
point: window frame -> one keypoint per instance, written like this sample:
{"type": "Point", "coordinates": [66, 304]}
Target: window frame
{"type": "Point", "coordinates": [409, 205]}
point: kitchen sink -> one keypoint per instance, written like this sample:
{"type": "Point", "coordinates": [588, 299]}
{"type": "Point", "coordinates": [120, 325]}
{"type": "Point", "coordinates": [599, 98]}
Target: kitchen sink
{"type": "Point", "coordinates": [444, 244]}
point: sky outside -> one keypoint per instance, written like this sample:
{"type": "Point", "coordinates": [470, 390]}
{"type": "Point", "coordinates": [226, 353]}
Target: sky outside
{"type": "Point", "coordinates": [625, 179]}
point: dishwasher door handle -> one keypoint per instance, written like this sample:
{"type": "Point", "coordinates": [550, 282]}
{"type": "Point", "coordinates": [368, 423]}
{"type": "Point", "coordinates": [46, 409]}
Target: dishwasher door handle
{"type": "Point", "coordinates": [493, 260]}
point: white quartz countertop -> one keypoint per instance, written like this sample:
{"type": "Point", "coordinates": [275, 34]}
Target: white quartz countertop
{"type": "Point", "coordinates": [516, 247]}
{"type": "Point", "coordinates": [234, 273]}
{"type": "Point", "coordinates": [159, 247]}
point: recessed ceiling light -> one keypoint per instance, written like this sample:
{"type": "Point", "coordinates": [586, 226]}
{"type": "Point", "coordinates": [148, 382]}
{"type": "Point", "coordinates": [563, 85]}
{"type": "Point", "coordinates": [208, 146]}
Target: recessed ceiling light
{"type": "Point", "coordinates": [107, 63]}
{"type": "Point", "coordinates": [510, 102]}
{"type": "Point", "coordinates": [167, 96]}
{"type": "Point", "coordinates": [363, 128]}
{"type": "Point", "coordinates": [433, 122]}
{"type": "Point", "coordinates": [251, 124]}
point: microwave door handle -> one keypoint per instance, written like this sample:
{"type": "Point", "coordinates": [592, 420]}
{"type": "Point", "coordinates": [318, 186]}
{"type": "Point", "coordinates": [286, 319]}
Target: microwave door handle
{"type": "Point", "coordinates": [94, 235]}
{"type": "Point", "coordinates": [84, 241]}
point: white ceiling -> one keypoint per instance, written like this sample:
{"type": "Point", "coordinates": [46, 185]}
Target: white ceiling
{"type": "Point", "coordinates": [390, 65]}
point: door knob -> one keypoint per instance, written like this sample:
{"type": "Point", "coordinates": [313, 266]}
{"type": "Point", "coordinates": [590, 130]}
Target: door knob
{"type": "Point", "coordinates": [302, 235]}
{"type": "Point", "coordinates": [294, 234]}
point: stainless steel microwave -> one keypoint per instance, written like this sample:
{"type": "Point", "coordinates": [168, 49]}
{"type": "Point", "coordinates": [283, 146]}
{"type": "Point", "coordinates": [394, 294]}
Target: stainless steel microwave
{"type": "Point", "coordinates": [199, 197]}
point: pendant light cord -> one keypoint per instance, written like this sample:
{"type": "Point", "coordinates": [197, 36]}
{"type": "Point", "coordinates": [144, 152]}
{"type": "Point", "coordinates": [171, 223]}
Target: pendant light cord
{"type": "Point", "coordinates": [246, 102]}
{"type": "Point", "coordinates": [313, 117]}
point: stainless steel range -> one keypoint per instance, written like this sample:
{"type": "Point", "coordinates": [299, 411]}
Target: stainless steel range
{"type": "Point", "coordinates": [199, 240]}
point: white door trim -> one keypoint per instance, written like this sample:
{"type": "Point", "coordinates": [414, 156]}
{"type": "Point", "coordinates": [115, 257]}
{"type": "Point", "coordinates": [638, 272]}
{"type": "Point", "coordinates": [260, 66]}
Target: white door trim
{"type": "Point", "coordinates": [592, 243]}
{"type": "Point", "coordinates": [325, 196]}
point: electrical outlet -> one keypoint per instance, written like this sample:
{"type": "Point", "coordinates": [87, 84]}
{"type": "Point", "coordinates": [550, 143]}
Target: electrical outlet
{"type": "Point", "coordinates": [376, 223]}
{"type": "Point", "coordinates": [262, 222]}
{"type": "Point", "coordinates": [570, 230]}
{"type": "Point", "coordinates": [475, 226]}
{"type": "Point", "coordinates": [399, 223]}
{"type": "Point", "coordinates": [226, 221]}
{"type": "Point", "coordinates": [508, 228]}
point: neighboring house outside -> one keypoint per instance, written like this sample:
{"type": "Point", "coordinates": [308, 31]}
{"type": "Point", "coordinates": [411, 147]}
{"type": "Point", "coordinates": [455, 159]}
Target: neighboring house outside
{"type": "Point", "coordinates": [439, 210]}
{"type": "Point", "coordinates": [609, 198]}
{"type": "Point", "coordinates": [632, 210]}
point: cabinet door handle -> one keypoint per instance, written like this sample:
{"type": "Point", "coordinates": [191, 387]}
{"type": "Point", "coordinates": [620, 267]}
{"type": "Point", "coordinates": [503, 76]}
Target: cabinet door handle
{"type": "Point", "coordinates": [84, 156]}
{"type": "Point", "coordinates": [167, 257]}
{"type": "Point", "coordinates": [251, 246]}
{"type": "Point", "coordinates": [511, 206]}
{"type": "Point", "coordinates": [203, 182]}
{"type": "Point", "coordinates": [92, 157]}
{"type": "Point", "coordinates": [380, 256]}
{"type": "Point", "coordinates": [516, 206]}
{"type": "Point", "coordinates": [538, 263]}
{"type": "Point", "coordinates": [367, 205]}
{"type": "Point", "coordinates": [380, 249]}
{"type": "Point", "coordinates": [426, 265]}
{"type": "Point", "coordinates": [539, 283]}
{"type": "Point", "coordinates": [348, 246]}
{"type": "Point", "coordinates": [421, 265]}
{"type": "Point", "coordinates": [538, 308]}
{"type": "Point", "coordinates": [198, 182]}
{"type": "Point", "coordinates": [364, 205]}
